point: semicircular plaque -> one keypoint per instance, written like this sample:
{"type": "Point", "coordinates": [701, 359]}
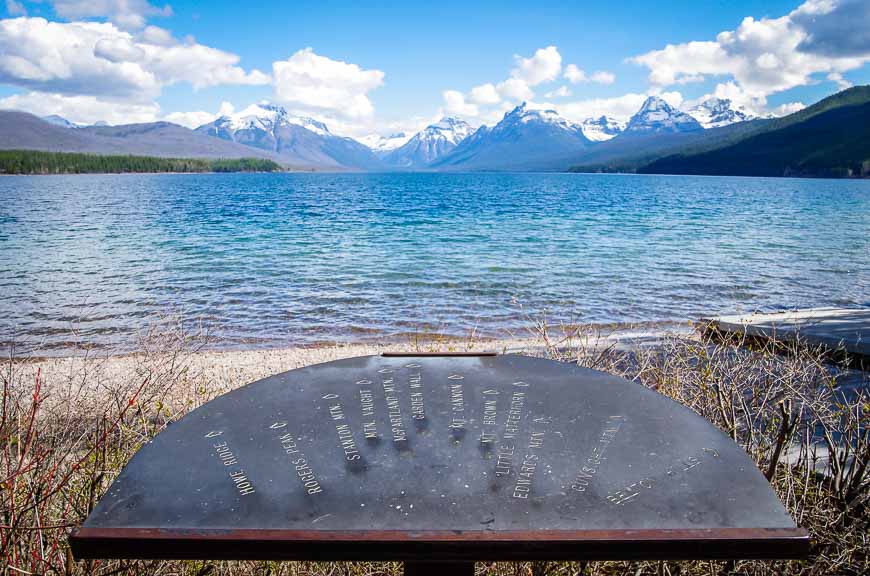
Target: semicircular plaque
{"type": "Point", "coordinates": [452, 457]}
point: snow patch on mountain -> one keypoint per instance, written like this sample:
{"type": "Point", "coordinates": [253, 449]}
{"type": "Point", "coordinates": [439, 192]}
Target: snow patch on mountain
{"type": "Point", "coordinates": [602, 128]}
{"type": "Point", "coordinates": [658, 117]}
{"type": "Point", "coordinates": [523, 114]}
{"type": "Point", "coordinates": [716, 112]}
{"type": "Point", "coordinates": [383, 144]}
{"type": "Point", "coordinates": [450, 130]}
{"type": "Point", "coordinates": [299, 140]}
{"type": "Point", "coordinates": [59, 121]}
{"type": "Point", "coordinates": [525, 139]}
{"type": "Point", "coordinates": [431, 143]}
{"type": "Point", "coordinates": [267, 117]}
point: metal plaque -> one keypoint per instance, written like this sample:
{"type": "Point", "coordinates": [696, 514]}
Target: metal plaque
{"type": "Point", "coordinates": [444, 457]}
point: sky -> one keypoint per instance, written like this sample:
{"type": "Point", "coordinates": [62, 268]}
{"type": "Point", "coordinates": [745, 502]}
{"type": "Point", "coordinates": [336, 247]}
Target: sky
{"type": "Point", "coordinates": [385, 67]}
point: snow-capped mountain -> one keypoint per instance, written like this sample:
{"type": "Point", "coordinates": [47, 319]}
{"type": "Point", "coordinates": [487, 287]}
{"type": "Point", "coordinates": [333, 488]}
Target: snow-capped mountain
{"type": "Point", "coordinates": [525, 139]}
{"type": "Point", "coordinates": [384, 144]}
{"type": "Point", "coordinates": [265, 117]}
{"type": "Point", "coordinates": [715, 112]}
{"type": "Point", "coordinates": [601, 128]}
{"type": "Point", "coordinates": [299, 140]}
{"type": "Point", "coordinates": [59, 121]}
{"type": "Point", "coordinates": [658, 117]}
{"type": "Point", "coordinates": [431, 143]}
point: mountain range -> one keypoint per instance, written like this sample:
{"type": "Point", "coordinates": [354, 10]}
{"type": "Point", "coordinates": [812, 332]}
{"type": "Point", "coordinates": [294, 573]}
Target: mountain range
{"type": "Point", "coordinates": [658, 137]}
{"type": "Point", "coordinates": [297, 140]}
{"type": "Point", "coordinates": [829, 139]}
{"type": "Point", "coordinates": [658, 117]}
{"type": "Point", "coordinates": [22, 131]}
{"type": "Point", "coordinates": [430, 144]}
{"type": "Point", "coordinates": [525, 139]}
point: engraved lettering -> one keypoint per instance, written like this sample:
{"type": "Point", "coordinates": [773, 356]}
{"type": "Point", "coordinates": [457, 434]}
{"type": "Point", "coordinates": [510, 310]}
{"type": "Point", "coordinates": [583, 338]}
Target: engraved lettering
{"type": "Point", "coordinates": [300, 465]}
{"type": "Point", "coordinates": [503, 463]}
{"type": "Point", "coordinates": [632, 491]}
{"type": "Point", "coordinates": [526, 474]}
{"type": "Point", "coordinates": [590, 466]}
{"type": "Point", "coordinates": [415, 383]}
{"type": "Point", "coordinates": [514, 415]}
{"type": "Point", "coordinates": [394, 411]}
{"type": "Point", "coordinates": [345, 435]}
{"type": "Point", "coordinates": [457, 406]}
{"type": "Point", "coordinates": [367, 403]}
{"type": "Point", "coordinates": [240, 481]}
{"type": "Point", "coordinates": [345, 438]}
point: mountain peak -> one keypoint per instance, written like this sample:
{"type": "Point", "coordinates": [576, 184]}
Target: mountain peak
{"type": "Point", "coordinates": [601, 128]}
{"type": "Point", "coordinates": [384, 144]}
{"type": "Point", "coordinates": [525, 115]}
{"type": "Point", "coordinates": [431, 143]}
{"type": "Point", "coordinates": [449, 122]}
{"type": "Point", "coordinates": [526, 138]}
{"type": "Point", "coordinates": [654, 104]}
{"type": "Point", "coordinates": [656, 116]}
{"type": "Point", "coordinates": [267, 117]}
{"type": "Point", "coordinates": [715, 112]}
{"type": "Point", "coordinates": [59, 121]}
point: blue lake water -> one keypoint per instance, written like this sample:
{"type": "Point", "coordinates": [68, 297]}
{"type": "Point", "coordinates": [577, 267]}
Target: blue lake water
{"type": "Point", "coordinates": [275, 259]}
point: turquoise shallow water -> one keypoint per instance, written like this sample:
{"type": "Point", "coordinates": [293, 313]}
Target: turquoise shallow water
{"type": "Point", "coordinates": [273, 259]}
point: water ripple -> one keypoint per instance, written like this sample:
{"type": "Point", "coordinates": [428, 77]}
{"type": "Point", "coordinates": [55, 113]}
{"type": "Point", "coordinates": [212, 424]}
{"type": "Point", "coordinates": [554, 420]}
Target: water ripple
{"type": "Point", "coordinates": [306, 258]}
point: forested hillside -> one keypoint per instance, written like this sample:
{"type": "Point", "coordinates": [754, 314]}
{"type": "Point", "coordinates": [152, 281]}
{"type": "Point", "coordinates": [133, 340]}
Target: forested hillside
{"type": "Point", "coordinates": [35, 162]}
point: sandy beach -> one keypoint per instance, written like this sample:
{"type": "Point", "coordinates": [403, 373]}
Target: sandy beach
{"type": "Point", "coordinates": [190, 372]}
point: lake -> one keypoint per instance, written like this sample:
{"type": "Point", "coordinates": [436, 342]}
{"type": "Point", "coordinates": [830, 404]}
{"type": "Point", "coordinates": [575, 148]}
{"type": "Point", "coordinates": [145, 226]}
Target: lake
{"type": "Point", "coordinates": [287, 259]}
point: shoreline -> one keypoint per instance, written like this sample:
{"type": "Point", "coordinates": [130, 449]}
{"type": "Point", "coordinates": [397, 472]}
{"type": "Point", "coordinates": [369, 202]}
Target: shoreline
{"type": "Point", "coordinates": [198, 371]}
{"type": "Point", "coordinates": [404, 341]}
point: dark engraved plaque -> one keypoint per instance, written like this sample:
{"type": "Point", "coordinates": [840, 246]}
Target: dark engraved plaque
{"type": "Point", "coordinates": [451, 458]}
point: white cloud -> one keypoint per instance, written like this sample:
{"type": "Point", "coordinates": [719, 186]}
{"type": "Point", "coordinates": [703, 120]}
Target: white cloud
{"type": "Point", "coordinates": [485, 94]}
{"type": "Point", "coordinates": [157, 36]}
{"type": "Point", "coordinates": [603, 77]}
{"type": "Point", "coordinates": [82, 109]}
{"type": "Point", "coordinates": [198, 118]}
{"type": "Point", "coordinates": [455, 104]}
{"type": "Point", "coordinates": [674, 98]}
{"type": "Point", "coordinates": [515, 89]}
{"type": "Point", "coordinates": [99, 59]}
{"type": "Point", "coordinates": [620, 107]}
{"type": "Point", "coordinates": [841, 82]}
{"type": "Point", "coordinates": [15, 8]}
{"type": "Point", "coordinates": [789, 108]}
{"type": "Point", "coordinates": [739, 97]}
{"type": "Point", "coordinates": [543, 66]}
{"type": "Point", "coordinates": [489, 102]}
{"type": "Point", "coordinates": [312, 81]}
{"type": "Point", "coordinates": [560, 92]}
{"type": "Point", "coordinates": [124, 13]}
{"type": "Point", "coordinates": [199, 65]}
{"type": "Point", "coordinates": [226, 109]}
{"type": "Point", "coordinates": [770, 55]}
{"type": "Point", "coordinates": [576, 75]}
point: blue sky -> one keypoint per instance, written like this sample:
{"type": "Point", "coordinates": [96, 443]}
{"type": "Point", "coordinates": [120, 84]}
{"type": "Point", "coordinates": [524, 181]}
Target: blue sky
{"type": "Point", "coordinates": [384, 66]}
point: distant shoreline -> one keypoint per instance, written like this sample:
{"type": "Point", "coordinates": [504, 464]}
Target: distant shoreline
{"type": "Point", "coordinates": [38, 163]}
